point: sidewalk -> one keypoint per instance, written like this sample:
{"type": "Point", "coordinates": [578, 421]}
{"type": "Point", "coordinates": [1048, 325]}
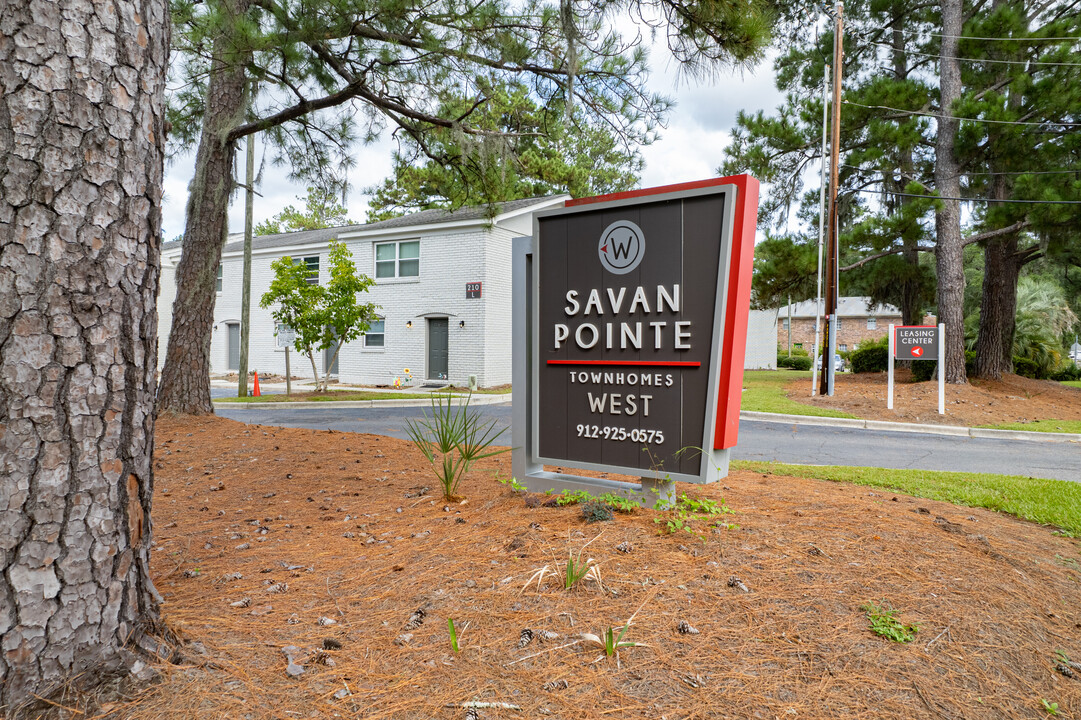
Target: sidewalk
{"type": "Point", "coordinates": [423, 396]}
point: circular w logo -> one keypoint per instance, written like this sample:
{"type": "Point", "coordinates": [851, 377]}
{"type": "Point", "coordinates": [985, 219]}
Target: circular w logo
{"type": "Point", "coordinates": [621, 247]}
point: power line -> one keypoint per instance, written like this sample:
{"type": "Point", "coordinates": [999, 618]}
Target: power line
{"type": "Point", "coordinates": [979, 60]}
{"type": "Point", "coordinates": [963, 199]}
{"type": "Point", "coordinates": [973, 174]}
{"type": "Point", "coordinates": [996, 39]}
{"type": "Point", "coordinates": [940, 116]}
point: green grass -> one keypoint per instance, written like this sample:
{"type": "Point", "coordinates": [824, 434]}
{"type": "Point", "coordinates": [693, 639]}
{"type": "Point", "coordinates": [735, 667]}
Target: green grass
{"type": "Point", "coordinates": [1050, 426]}
{"type": "Point", "coordinates": [1048, 502]}
{"type": "Point", "coordinates": [332, 396]}
{"type": "Point", "coordinates": [764, 392]}
{"type": "Point", "coordinates": [1072, 383]}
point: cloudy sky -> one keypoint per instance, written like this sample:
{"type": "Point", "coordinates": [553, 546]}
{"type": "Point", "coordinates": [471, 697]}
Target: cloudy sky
{"type": "Point", "coordinates": [690, 148]}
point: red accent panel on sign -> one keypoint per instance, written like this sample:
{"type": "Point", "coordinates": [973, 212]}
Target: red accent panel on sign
{"type": "Point", "coordinates": [730, 387]}
{"type": "Point", "coordinates": [672, 363]}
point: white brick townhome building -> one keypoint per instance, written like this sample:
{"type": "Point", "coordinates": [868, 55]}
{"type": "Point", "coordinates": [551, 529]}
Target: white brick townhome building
{"type": "Point", "coordinates": [421, 264]}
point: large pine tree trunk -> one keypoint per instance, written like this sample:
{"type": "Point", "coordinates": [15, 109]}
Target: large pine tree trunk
{"type": "Point", "coordinates": [1002, 263]}
{"type": "Point", "coordinates": [185, 378]}
{"type": "Point", "coordinates": [948, 256]}
{"type": "Point", "coordinates": [81, 136]}
{"type": "Point", "coordinates": [998, 308]}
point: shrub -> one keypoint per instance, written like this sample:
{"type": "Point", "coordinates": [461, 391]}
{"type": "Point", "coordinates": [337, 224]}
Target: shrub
{"type": "Point", "coordinates": [596, 511]}
{"type": "Point", "coordinates": [924, 370]}
{"type": "Point", "coordinates": [1026, 368]}
{"type": "Point", "coordinates": [1067, 372]}
{"type": "Point", "coordinates": [796, 362]}
{"type": "Point", "coordinates": [874, 358]}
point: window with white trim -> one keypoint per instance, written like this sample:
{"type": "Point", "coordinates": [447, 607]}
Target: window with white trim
{"type": "Point", "coordinates": [784, 324]}
{"type": "Point", "coordinates": [400, 259]}
{"type": "Point", "coordinates": [376, 334]}
{"type": "Point", "coordinates": [217, 282]}
{"type": "Point", "coordinates": [313, 269]}
{"type": "Point", "coordinates": [872, 323]}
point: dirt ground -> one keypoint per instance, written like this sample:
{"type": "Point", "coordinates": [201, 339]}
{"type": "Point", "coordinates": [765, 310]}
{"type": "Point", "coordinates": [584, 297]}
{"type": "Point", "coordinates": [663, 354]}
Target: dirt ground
{"type": "Point", "coordinates": [328, 542]}
{"type": "Point", "coordinates": [1014, 399]}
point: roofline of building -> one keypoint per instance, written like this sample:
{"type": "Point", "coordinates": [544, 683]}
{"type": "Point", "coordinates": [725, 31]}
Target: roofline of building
{"type": "Point", "coordinates": [363, 234]}
{"type": "Point", "coordinates": [406, 230]}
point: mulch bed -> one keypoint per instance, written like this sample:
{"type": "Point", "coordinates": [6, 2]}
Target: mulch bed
{"type": "Point", "coordinates": [351, 529]}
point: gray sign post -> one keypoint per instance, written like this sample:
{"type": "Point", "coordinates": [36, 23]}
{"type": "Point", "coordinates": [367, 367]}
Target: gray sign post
{"type": "Point", "coordinates": [621, 316]}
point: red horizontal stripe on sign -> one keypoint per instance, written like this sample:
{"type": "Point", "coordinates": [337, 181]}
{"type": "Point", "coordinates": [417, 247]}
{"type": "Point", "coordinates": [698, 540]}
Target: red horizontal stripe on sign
{"type": "Point", "coordinates": [651, 363]}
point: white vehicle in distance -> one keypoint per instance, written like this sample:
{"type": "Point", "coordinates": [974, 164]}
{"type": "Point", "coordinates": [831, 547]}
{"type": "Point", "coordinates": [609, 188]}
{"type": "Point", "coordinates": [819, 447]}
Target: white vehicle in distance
{"type": "Point", "coordinates": [838, 363]}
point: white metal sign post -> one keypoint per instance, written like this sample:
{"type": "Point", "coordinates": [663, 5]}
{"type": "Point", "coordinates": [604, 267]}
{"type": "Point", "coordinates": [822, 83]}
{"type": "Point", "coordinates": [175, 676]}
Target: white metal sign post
{"type": "Point", "coordinates": [285, 337]}
{"type": "Point", "coordinates": [918, 342]}
{"type": "Point", "coordinates": [889, 374]}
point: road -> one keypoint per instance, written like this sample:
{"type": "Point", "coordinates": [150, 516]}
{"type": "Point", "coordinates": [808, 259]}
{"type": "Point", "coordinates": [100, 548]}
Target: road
{"type": "Point", "coordinates": [758, 440]}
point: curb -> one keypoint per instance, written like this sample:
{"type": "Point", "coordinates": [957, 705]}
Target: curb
{"type": "Point", "coordinates": [951, 430]}
{"type": "Point", "coordinates": [348, 405]}
{"type": "Point", "coordinates": [854, 423]}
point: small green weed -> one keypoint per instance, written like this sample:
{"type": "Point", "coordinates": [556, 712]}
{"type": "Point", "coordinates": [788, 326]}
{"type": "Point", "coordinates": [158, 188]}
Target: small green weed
{"type": "Point", "coordinates": [619, 503]}
{"type": "Point", "coordinates": [687, 514]}
{"type": "Point", "coordinates": [1049, 707]}
{"type": "Point", "coordinates": [575, 571]}
{"type": "Point", "coordinates": [513, 484]}
{"type": "Point", "coordinates": [885, 624]}
{"type": "Point", "coordinates": [453, 636]}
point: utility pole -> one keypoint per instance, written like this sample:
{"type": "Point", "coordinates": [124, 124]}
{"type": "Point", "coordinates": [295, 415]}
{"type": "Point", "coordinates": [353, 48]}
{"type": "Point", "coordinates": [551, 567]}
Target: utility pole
{"type": "Point", "coordinates": [789, 326]}
{"type": "Point", "coordinates": [245, 302]}
{"type": "Point", "coordinates": [821, 221]}
{"type": "Point", "coordinates": [832, 252]}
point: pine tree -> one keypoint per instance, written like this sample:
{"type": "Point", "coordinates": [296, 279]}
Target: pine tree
{"type": "Point", "coordinates": [317, 75]}
{"type": "Point", "coordinates": [82, 127]}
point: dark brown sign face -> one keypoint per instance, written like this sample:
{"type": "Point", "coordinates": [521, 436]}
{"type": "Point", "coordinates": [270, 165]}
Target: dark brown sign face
{"type": "Point", "coordinates": [472, 290]}
{"type": "Point", "coordinates": [915, 342]}
{"type": "Point", "coordinates": [628, 319]}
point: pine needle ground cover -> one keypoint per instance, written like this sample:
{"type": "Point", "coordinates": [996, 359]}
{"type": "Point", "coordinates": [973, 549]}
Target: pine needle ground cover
{"type": "Point", "coordinates": [334, 554]}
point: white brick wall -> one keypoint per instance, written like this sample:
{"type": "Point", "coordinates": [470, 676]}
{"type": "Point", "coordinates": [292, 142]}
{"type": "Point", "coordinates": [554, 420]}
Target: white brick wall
{"type": "Point", "coordinates": [449, 258]}
{"type": "Point", "coordinates": [761, 340]}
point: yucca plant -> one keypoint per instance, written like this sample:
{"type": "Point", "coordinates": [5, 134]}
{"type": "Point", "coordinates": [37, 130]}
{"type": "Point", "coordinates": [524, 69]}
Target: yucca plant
{"type": "Point", "coordinates": [452, 439]}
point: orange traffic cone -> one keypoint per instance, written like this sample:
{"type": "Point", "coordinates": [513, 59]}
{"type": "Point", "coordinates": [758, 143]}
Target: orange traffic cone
{"type": "Point", "coordinates": [256, 392]}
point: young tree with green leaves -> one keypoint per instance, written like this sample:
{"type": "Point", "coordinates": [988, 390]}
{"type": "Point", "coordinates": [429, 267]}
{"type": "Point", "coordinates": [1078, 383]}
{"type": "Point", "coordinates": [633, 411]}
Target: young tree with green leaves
{"type": "Point", "coordinates": [315, 76]}
{"type": "Point", "coordinates": [321, 315]}
{"type": "Point", "coordinates": [322, 209]}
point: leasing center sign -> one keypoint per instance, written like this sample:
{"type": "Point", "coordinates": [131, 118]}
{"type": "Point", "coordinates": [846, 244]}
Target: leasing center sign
{"type": "Point", "coordinates": [640, 327]}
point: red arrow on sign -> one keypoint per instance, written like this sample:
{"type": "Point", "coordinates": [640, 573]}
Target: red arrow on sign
{"type": "Point", "coordinates": [917, 351]}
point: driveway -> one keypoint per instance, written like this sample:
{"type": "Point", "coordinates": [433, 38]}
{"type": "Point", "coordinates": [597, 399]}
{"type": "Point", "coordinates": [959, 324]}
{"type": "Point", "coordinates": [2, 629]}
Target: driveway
{"type": "Point", "coordinates": [781, 441]}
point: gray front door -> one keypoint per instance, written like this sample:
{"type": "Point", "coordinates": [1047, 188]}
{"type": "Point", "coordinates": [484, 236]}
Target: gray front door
{"type": "Point", "coordinates": [331, 368]}
{"type": "Point", "coordinates": [437, 348]}
{"type": "Point", "coordinates": [234, 346]}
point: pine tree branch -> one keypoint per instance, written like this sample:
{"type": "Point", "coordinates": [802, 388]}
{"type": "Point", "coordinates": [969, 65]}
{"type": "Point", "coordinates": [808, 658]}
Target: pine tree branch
{"type": "Point", "coordinates": [978, 237]}
{"type": "Point", "coordinates": [990, 234]}
{"type": "Point", "coordinates": [884, 253]}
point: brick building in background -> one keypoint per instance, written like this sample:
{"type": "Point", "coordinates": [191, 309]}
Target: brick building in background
{"type": "Point", "coordinates": [859, 321]}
